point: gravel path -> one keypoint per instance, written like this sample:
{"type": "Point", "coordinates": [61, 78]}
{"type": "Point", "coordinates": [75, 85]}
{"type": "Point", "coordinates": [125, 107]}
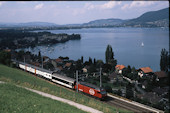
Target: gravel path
{"type": "Point", "coordinates": [2, 82]}
{"type": "Point", "coordinates": [79, 106]}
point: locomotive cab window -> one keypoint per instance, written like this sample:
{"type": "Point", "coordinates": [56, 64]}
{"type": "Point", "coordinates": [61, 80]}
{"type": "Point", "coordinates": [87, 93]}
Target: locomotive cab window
{"type": "Point", "coordinates": [103, 92]}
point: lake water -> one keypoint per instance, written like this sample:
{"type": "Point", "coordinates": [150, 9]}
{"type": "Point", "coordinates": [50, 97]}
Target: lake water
{"type": "Point", "coordinates": [125, 42]}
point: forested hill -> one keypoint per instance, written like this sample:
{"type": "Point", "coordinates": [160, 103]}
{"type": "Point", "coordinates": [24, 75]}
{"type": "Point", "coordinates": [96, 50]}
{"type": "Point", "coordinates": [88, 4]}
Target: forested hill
{"type": "Point", "coordinates": [158, 18]}
{"type": "Point", "coordinates": [153, 16]}
{"type": "Point", "coordinates": [105, 22]}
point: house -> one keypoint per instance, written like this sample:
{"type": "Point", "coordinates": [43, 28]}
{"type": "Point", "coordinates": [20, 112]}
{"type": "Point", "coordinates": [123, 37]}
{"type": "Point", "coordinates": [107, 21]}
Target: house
{"type": "Point", "coordinates": [7, 50]}
{"type": "Point", "coordinates": [145, 71]}
{"type": "Point", "coordinates": [68, 64]}
{"type": "Point", "coordinates": [84, 70]}
{"type": "Point", "coordinates": [54, 63]}
{"type": "Point", "coordinates": [119, 68]}
{"type": "Point", "coordinates": [113, 77]}
{"type": "Point", "coordinates": [36, 64]}
{"type": "Point", "coordinates": [27, 58]}
{"type": "Point", "coordinates": [161, 90]}
{"type": "Point", "coordinates": [57, 62]}
{"type": "Point", "coordinates": [161, 76]}
{"type": "Point", "coordinates": [60, 68]}
{"type": "Point", "coordinates": [45, 59]}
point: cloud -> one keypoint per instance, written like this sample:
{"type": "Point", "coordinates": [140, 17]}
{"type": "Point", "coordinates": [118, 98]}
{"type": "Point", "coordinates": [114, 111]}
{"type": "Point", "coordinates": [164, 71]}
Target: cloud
{"type": "Point", "coordinates": [137, 4]}
{"type": "Point", "coordinates": [89, 6]}
{"type": "Point", "coordinates": [39, 6]}
{"type": "Point", "coordinates": [110, 4]}
{"type": "Point", "coordinates": [78, 12]}
{"type": "Point", "coordinates": [141, 3]}
{"type": "Point", "coordinates": [1, 3]}
{"type": "Point", "coordinates": [21, 2]}
{"type": "Point", "coordinates": [125, 6]}
{"type": "Point", "coordinates": [107, 5]}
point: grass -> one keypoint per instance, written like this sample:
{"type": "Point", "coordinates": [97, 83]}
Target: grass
{"type": "Point", "coordinates": [19, 77]}
{"type": "Point", "coordinates": [20, 100]}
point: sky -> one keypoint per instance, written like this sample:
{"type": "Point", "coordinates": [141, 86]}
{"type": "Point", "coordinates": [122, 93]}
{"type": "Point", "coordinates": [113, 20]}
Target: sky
{"type": "Point", "coordinates": [74, 12]}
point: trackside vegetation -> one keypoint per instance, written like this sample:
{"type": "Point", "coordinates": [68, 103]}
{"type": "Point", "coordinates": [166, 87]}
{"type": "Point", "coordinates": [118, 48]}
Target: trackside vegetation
{"type": "Point", "coordinates": [19, 77]}
{"type": "Point", "coordinates": [19, 100]}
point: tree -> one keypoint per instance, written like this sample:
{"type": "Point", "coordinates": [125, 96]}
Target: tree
{"type": "Point", "coordinates": [133, 70]}
{"type": "Point", "coordinates": [92, 69]}
{"type": "Point", "coordinates": [90, 60]}
{"type": "Point", "coordinates": [99, 63]}
{"type": "Point", "coordinates": [125, 72]}
{"type": "Point", "coordinates": [164, 60]}
{"type": "Point", "coordinates": [78, 65]}
{"type": "Point", "coordinates": [82, 59]}
{"type": "Point", "coordinates": [129, 69]}
{"type": "Point", "coordinates": [108, 89]}
{"type": "Point", "coordinates": [129, 91]}
{"type": "Point", "coordinates": [109, 56]}
{"type": "Point", "coordinates": [94, 61]}
{"type": "Point", "coordinates": [109, 53]}
{"type": "Point", "coordinates": [5, 58]}
{"type": "Point", "coordinates": [39, 56]}
{"type": "Point", "coordinates": [106, 68]}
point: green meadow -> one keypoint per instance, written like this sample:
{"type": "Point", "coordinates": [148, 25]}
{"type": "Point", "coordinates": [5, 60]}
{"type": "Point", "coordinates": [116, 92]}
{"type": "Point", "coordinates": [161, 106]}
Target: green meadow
{"type": "Point", "coordinates": [14, 99]}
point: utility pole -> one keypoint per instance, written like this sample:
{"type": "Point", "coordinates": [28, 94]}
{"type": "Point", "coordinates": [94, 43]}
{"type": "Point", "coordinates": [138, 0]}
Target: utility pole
{"type": "Point", "coordinates": [77, 80]}
{"type": "Point", "coordinates": [42, 61]}
{"type": "Point", "coordinates": [24, 63]}
{"type": "Point", "coordinates": [24, 59]}
{"type": "Point", "coordinates": [100, 77]}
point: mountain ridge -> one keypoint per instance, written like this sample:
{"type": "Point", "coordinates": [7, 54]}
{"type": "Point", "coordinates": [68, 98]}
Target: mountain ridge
{"type": "Point", "coordinates": [159, 18]}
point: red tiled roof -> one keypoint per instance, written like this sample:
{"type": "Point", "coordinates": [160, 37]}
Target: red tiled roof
{"type": "Point", "coordinates": [7, 50]}
{"type": "Point", "coordinates": [161, 74]}
{"type": "Point", "coordinates": [58, 60]}
{"type": "Point", "coordinates": [60, 67]}
{"type": "Point", "coordinates": [146, 69]}
{"type": "Point", "coordinates": [120, 67]}
{"type": "Point", "coordinates": [45, 57]}
{"type": "Point", "coordinates": [68, 64]}
{"type": "Point", "coordinates": [35, 63]}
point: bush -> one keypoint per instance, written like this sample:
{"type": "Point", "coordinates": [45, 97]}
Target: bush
{"type": "Point", "coordinates": [5, 58]}
{"type": "Point", "coordinates": [108, 89]}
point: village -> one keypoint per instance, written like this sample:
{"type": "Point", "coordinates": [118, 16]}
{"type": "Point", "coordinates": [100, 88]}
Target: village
{"type": "Point", "coordinates": [140, 85]}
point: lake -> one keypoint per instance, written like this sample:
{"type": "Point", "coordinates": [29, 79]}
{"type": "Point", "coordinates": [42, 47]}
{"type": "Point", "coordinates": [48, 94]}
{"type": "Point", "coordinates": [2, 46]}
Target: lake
{"type": "Point", "coordinates": [126, 44]}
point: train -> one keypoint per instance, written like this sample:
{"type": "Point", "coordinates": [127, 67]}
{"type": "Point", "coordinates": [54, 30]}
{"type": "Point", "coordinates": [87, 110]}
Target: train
{"type": "Point", "coordinates": [68, 82]}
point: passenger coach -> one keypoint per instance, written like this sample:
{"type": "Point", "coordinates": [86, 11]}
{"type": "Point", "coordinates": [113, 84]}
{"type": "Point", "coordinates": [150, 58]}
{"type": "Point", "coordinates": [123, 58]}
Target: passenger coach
{"type": "Point", "coordinates": [63, 80]}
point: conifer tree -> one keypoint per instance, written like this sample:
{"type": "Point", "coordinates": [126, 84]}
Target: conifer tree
{"type": "Point", "coordinates": [164, 60]}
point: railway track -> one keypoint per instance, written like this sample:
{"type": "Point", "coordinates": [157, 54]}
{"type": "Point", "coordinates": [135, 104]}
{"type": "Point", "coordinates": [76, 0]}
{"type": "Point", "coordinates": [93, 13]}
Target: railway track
{"type": "Point", "coordinates": [124, 105]}
{"type": "Point", "coordinates": [130, 105]}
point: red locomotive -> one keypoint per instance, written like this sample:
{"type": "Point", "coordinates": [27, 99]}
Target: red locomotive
{"type": "Point", "coordinates": [92, 90]}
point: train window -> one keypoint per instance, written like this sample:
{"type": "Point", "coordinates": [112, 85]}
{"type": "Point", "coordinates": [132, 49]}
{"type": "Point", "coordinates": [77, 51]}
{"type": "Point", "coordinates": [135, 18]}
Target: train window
{"type": "Point", "coordinates": [60, 80]}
